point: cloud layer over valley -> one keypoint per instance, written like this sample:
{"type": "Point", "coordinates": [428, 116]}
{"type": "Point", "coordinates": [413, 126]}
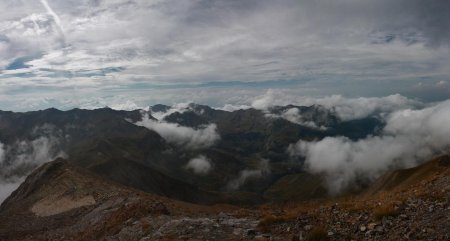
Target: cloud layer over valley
{"type": "Point", "coordinates": [19, 159]}
{"type": "Point", "coordinates": [413, 132]}
{"type": "Point", "coordinates": [410, 137]}
{"type": "Point", "coordinates": [263, 169]}
{"type": "Point", "coordinates": [185, 137]}
{"type": "Point", "coordinates": [346, 108]}
{"type": "Point", "coordinates": [200, 165]}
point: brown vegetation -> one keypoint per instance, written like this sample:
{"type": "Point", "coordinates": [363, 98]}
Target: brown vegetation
{"type": "Point", "coordinates": [318, 234]}
{"type": "Point", "coordinates": [385, 211]}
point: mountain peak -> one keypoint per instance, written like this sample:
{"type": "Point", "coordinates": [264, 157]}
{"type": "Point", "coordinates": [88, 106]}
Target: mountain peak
{"type": "Point", "coordinates": [159, 108]}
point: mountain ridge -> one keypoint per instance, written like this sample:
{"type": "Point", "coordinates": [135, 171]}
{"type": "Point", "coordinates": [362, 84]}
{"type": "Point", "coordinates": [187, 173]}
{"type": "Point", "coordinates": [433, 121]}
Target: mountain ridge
{"type": "Point", "coordinates": [105, 140]}
{"type": "Point", "coordinates": [93, 207]}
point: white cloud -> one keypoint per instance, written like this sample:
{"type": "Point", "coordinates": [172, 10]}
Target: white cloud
{"type": "Point", "coordinates": [231, 107]}
{"type": "Point", "coordinates": [2, 153]}
{"type": "Point", "coordinates": [179, 107]}
{"type": "Point", "coordinates": [35, 152]}
{"type": "Point", "coordinates": [262, 170]}
{"type": "Point", "coordinates": [346, 108]}
{"type": "Point", "coordinates": [409, 137]}
{"type": "Point", "coordinates": [244, 175]}
{"type": "Point", "coordinates": [347, 49]}
{"type": "Point", "coordinates": [19, 159]}
{"type": "Point", "coordinates": [355, 108]}
{"type": "Point", "coordinates": [6, 188]}
{"type": "Point", "coordinates": [182, 136]}
{"type": "Point", "coordinates": [55, 18]}
{"type": "Point", "coordinates": [115, 104]}
{"type": "Point", "coordinates": [293, 115]}
{"type": "Point", "coordinates": [200, 165]}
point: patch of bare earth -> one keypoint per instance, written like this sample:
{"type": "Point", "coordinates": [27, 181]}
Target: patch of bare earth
{"type": "Point", "coordinates": [56, 205]}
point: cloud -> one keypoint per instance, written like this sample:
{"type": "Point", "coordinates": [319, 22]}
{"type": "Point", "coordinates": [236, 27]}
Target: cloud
{"type": "Point", "coordinates": [115, 104]}
{"type": "Point", "coordinates": [430, 90]}
{"type": "Point", "coordinates": [409, 138]}
{"type": "Point", "coordinates": [6, 188]}
{"type": "Point", "coordinates": [200, 165]}
{"type": "Point", "coordinates": [231, 107]}
{"type": "Point", "coordinates": [2, 153]}
{"type": "Point", "coordinates": [293, 115]}
{"type": "Point", "coordinates": [262, 170]}
{"type": "Point", "coordinates": [182, 136]}
{"type": "Point", "coordinates": [346, 108]}
{"type": "Point", "coordinates": [20, 158]}
{"type": "Point", "coordinates": [343, 46]}
{"type": "Point", "coordinates": [179, 107]}
{"type": "Point", "coordinates": [56, 19]}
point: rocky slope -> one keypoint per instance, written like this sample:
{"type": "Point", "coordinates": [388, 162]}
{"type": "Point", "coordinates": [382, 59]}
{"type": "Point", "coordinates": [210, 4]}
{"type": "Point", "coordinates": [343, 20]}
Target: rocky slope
{"type": "Point", "coordinates": [60, 201]}
{"type": "Point", "coordinates": [411, 204]}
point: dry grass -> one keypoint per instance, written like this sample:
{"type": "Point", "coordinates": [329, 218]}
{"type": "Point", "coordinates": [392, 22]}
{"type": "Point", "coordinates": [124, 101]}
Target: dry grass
{"type": "Point", "coordinates": [318, 234]}
{"type": "Point", "coordinates": [268, 220]}
{"type": "Point", "coordinates": [385, 211]}
{"type": "Point", "coordinates": [242, 213]}
{"type": "Point", "coordinates": [146, 225]}
{"type": "Point", "coordinates": [114, 221]}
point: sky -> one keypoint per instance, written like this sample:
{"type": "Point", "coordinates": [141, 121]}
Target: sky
{"type": "Point", "coordinates": [132, 53]}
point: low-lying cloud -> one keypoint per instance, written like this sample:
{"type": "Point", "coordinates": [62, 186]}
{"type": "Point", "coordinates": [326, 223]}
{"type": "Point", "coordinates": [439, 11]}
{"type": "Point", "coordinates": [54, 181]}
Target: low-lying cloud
{"type": "Point", "coordinates": [409, 138]}
{"type": "Point", "coordinates": [19, 159]}
{"type": "Point", "coordinates": [232, 108]}
{"type": "Point", "coordinates": [200, 165]}
{"type": "Point", "coordinates": [179, 107]}
{"type": "Point", "coordinates": [345, 108]}
{"type": "Point", "coordinates": [262, 170]}
{"type": "Point", "coordinates": [186, 137]}
{"type": "Point", "coordinates": [293, 115]}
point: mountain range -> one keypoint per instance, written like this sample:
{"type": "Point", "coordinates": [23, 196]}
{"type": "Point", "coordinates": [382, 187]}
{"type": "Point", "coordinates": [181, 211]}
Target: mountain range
{"type": "Point", "coordinates": [195, 172]}
{"type": "Point", "coordinates": [245, 150]}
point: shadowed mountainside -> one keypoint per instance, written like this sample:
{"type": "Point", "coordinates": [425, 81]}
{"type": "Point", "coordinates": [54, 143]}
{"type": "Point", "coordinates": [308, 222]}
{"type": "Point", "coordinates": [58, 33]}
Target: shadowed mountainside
{"type": "Point", "coordinates": [109, 143]}
{"type": "Point", "coordinates": [60, 201]}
